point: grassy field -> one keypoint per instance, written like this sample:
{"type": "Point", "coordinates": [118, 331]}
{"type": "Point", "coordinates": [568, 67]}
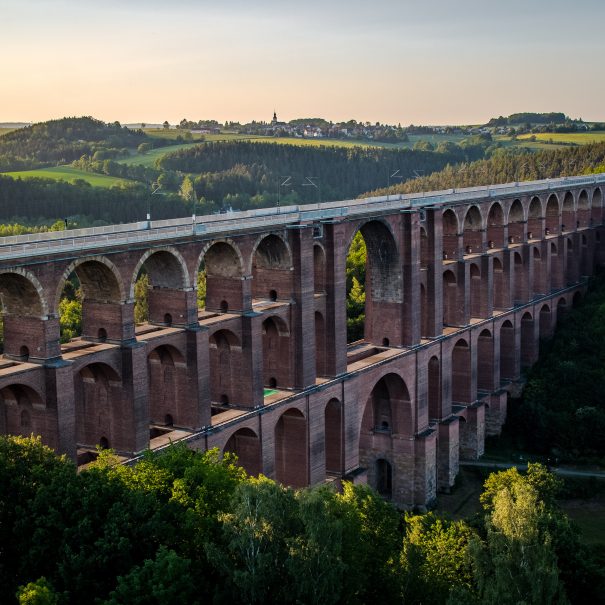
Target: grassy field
{"type": "Point", "coordinates": [5, 130]}
{"type": "Point", "coordinates": [149, 158]}
{"type": "Point", "coordinates": [66, 173]}
{"type": "Point", "coordinates": [563, 138]}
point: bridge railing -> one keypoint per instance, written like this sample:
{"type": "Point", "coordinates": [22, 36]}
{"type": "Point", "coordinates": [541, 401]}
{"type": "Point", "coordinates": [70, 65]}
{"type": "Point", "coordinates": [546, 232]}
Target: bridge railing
{"type": "Point", "coordinates": [37, 244]}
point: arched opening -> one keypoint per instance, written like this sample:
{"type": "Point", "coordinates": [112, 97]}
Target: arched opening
{"type": "Point", "coordinates": [89, 299]}
{"type": "Point", "coordinates": [596, 207]}
{"type": "Point", "coordinates": [495, 226]}
{"type": "Point", "coordinates": [102, 335]}
{"type": "Point", "coordinates": [276, 352]}
{"type": "Point", "coordinates": [291, 455]}
{"type": "Point", "coordinates": [529, 352]}
{"type": "Point", "coordinates": [552, 215]}
{"type": "Point", "coordinates": [451, 311]}
{"type": "Point", "coordinates": [104, 443]}
{"type": "Point", "coordinates": [271, 269]}
{"type": "Point", "coordinates": [219, 281]}
{"type": "Point", "coordinates": [546, 327]}
{"type": "Point", "coordinates": [520, 292]}
{"type": "Point", "coordinates": [576, 300]}
{"type": "Point", "coordinates": [158, 287]}
{"type": "Point", "coordinates": [434, 389]}
{"type": "Point", "coordinates": [561, 310]}
{"type": "Point", "coordinates": [462, 387]}
{"type": "Point", "coordinates": [568, 217]}
{"type": "Point", "coordinates": [272, 383]}
{"type": "Point", "coordinates": [22, 412]}
{"type": "Point", "coordinates": [499, 285]}
{"type": "Point", "coordinates": [374, 285]}
{"type": "Point", "coordinates": [508, 365]}
{"type": "Point", "coordinates": [168, 420]}
{"type": "Point", "coordinates": [319, 269]}
{"type": "Point", "coordinates": [534, 219]}
{"type": "Point", "coordinates": [100, 412]}
{"type": "Point", "coordinates": [476, 291]}
{"type": "Point", "coordinates": [384, 478]}
{"type": "Point", "coordinates": [225, 367]}
{"type": "Point", "coordinates": [24, 353]}
{"type": "Point", "coordinates": [245, 444]}
{"type": "Point", "coordinates": [538, 286]}
{"type": "Point", "coordinates": [516, 223]}
{"type": "Point", "coordinates": [473, 231]}
{"type": "Point", "coordinates": [169, 393]}
{"type": "Point", "coordinates": [486, 375]}
{"type": "Point", "coordinates": [167, 319]}
{"type": "Point", "coordinates": [584, 211]}
{"type": "Point", "coordinates": [450, 235]}
{"type": "Point", "coordinates": [333, 436]}
{"type": "Point", "coordinates": [387, 419]}
{"type": "Point", "coordinates": [320, 345]}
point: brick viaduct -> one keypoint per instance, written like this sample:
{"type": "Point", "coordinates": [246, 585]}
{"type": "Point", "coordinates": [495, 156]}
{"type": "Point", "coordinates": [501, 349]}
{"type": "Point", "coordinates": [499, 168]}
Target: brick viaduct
{"type": "Point", "coordinates": [461, 287]}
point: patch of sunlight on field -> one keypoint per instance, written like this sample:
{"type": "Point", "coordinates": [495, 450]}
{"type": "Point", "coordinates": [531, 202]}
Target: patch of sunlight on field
{"type": "Point", "coordinates": [69, 174]}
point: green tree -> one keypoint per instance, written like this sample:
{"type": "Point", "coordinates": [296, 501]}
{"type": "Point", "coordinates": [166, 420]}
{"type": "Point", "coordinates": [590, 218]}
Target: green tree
{"type": "Point", "coordinates": [39, 592]}
{"type": "Point", "coordinates": [143, 148]}
{"type": "Point", "coordinates": [141, 298]}
{"type": "Point", "coordinates": [70, 318]}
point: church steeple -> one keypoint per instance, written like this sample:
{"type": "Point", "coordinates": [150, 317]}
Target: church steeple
{"type": "Point", "coordinates": [274, 120]}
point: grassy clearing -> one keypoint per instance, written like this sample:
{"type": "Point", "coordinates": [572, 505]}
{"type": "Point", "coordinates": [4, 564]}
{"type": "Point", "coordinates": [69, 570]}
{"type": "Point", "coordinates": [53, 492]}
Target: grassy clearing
{"type": "Point", "coordinates": [6, 130]}
{"type": "Point", "coordinates": [567, 138]}
{"type": "Point", "coordinates": [149, 158]}
{"type": "Point", "coordinates": [66, 173]}
{"type": "Point", "coordinates": [589, 515]}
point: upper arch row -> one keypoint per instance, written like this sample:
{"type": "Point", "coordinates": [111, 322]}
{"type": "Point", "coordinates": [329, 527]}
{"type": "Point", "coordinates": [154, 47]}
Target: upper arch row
{"type": "Point", "coordinates": [481, 215]}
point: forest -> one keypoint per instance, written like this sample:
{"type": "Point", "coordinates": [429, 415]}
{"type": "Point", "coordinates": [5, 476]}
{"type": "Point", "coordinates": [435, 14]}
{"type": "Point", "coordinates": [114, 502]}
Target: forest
{"type": "Point", "coordinates": [192, 527]}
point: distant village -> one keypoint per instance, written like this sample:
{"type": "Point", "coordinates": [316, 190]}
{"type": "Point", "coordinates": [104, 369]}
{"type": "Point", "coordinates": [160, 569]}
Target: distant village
{"type": "Point", "coordinates": [318, 128]}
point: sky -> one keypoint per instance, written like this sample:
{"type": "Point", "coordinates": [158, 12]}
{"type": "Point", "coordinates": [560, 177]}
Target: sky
{"type": "Point", "coordinates": [408, 62]}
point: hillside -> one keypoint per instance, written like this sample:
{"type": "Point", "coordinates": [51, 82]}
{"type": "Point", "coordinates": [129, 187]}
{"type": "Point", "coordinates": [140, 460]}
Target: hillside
{"type": "Point", "coordinates": [62, 141]}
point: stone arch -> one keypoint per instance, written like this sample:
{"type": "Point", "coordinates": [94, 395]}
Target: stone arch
{"type": "Point", "coordinates": [450, 298]}
{"type": "Point", "coordinates": [333, 436]}
{"type": "Point", "coordinates": [319, 268]}
{"type": "Point", "coordinates": [225, 366]}
{"type": "Point", "coordinates": [21, 294]}
{"type": "Point", "coordinates": [534, 218]}
{"type": "Point", "coordinates": [495, 226]}
{"type": "Point", "coordinates": [584, 210]}
{"type": "Point", "coordinates": [99, 278]}
{"type": "Point", "coordinates": [388, 409]}
{"type": "Point", "coordinates": [451, 228]}
{"type": "Point", "coordinates": [246, 445]}
{"type": "Point", "coordinates": [169, 396]}
{"type": "Point", "coordinates": [271, 268]}
{"type": "Point", "coordinates": [546, 327]}
{"type": "Point", "coordinates": [568, 215]}
{"type": "Point", "coordinates": [23, 412]}
{"type": "Point", "coordinates": [383, 282]}
{"type": "Point", "coordinates": [291, 449]}
{"type": "Point", "coordinates": [596, 206]}
{"type": "Point", "coordinates": [222, 264]}
{"type": "Point", "coordinates": [473, 230]}
{"type": "Point", "coordinates": [276, 352]}
{"type": "Point", "coordinates": [166, 269]}
{"type": "Point", "coordinates": [462, 387]}
{"type": "Point", "coordinates": [529, 351]}
{"type": "Point", "coordinates": [553, 211]}
{"type": "Point", "coordinates": [562, 309]}
{"type": "Point", "coordinates": [508, 356]}
{"type": "Point", "coordinates": [434, 389]}
{"type": "Point", "coordinates": [486, 370]}
{"type": "Point", "coordinates": [516, 221]}
{"type": "Point", "coordinates": [99, 410]}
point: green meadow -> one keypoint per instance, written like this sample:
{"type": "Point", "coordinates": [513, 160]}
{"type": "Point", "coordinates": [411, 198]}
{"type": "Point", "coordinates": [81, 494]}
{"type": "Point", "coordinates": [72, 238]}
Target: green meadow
{"type": "Point", "coordinates": [69, 174]}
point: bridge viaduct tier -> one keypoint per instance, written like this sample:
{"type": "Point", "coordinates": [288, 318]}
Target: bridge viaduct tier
{"type": "Point", "coordinates": [461, 286]}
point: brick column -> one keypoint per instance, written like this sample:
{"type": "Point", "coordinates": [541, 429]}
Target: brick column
{"type": "Point", "coordinates": [410, 247]}
{"type": "Point", "coordinates": [34, 336]}
{"type": "Point", "coordinates": [60, 395]}
{"type": "Point", "coordinates": [336, 293]}
{"type": "Point", "coordinates": [179, 305]}
{"type": "Point", "coordinates": [303, 308]}
{"type": "Point", "coordinates": [251, 391]}
{"type": "Point", "coordinates": [198, 377]}
{"type": "Point", "coordinates": [434, 274]}
{"type": "Point", "coordinates": [110, 321]}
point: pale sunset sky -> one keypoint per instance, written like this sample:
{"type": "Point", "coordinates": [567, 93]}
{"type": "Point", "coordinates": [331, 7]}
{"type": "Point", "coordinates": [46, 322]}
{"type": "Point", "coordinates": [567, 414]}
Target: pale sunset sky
{"type": "Point", "coordinates": [421, 62]}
